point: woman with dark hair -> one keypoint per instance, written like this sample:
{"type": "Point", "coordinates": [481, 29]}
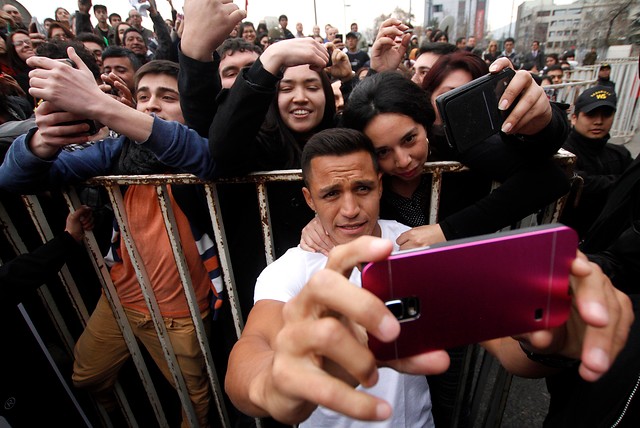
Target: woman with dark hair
{"type": "Point", "coordinates": [119, 32]}
{"type": "Point", "coordinates": [62, 15]}
{"type": "Point", "coordinates": [248, 31]}
{"type": "Point", "coordinates": [440, 36]}
{"type": "Point", "coordinates": [20, 47]}
{"type": "Point", "coordinates": [5, 61]}
{"type": "Point", "coordinates": [58, 31]}
{"type": "Point", "coordinates": [272, 110]}
{"type": "Point", "coordinates": [263, 40]}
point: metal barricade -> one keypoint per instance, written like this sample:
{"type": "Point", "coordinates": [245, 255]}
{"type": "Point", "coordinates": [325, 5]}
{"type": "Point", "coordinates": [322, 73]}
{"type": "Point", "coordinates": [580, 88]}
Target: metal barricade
{"type": "Point", "coordinates": [113, 184]}
{"type": "Point", "coordinates": [625, 75]}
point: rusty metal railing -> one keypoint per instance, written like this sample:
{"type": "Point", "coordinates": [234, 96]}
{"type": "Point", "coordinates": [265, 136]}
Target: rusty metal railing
{"type": "Point", "coordinates": [112, 184]}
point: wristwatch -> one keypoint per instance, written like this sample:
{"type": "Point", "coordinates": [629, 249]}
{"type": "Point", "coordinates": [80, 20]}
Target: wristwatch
{"type": "Point", "coordinates": [550, 360]}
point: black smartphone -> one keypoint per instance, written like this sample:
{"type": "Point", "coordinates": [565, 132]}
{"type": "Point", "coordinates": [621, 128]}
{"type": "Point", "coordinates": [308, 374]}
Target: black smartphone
{"type": "Point", "coordinates": [469, 290]}
{"type": "Point", "coordinates": [470, 112]}
{"type": "Point", "coordinates": [93, 128]}
{"type": "Point", "coordinates": [338, 36]}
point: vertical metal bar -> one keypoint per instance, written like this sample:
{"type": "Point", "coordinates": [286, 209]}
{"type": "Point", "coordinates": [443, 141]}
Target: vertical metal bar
{"type": "Point", "coordinates": [35, 209]}
{"type": "Point", "coordinates": [43, 292]}
{"type": "Point", "coordinates": [265, 220]}
{"type": "Point", "coordinates": [49, 358]}
{"type": "Point", "coordinates": [223, 253]}
{"type": "Point", "coordinates": [183, 269]}
{"type": "Point", "coordinates": [154, 310]}
{"type": "Point", "coordinates": [436, 188]}
{"type": "Point", "coordinates": [102, 272]}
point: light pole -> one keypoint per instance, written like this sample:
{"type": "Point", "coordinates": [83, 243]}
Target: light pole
{"type": "Point", "coordinates": [315, 13]}
{"type": "Point", "coordinates": [344, 16]}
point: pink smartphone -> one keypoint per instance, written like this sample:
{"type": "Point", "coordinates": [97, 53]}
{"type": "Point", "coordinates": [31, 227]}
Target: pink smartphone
{"type": "Point", "coordinates": [470, 290]}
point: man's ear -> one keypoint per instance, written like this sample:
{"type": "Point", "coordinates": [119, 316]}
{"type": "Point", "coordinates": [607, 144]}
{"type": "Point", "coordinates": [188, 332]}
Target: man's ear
{"type": "Point", "coordinates": [308, 198]}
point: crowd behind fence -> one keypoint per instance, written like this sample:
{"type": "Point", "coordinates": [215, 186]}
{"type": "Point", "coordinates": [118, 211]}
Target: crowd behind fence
{"type": "Point", "coordinates": [438, 170]}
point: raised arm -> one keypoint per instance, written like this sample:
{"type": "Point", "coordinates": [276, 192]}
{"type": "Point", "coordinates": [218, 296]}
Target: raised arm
{"type": "Point", "coordinates": [390, 45]}
{"type": "Point", "coordinates": [206, 25]}
{"type": "Point", "coordinates": [235, 138]}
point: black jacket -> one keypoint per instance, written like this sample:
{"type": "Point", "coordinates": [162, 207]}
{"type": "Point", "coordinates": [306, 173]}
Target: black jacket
{"type": "Point", "coordinates": [600, 164]}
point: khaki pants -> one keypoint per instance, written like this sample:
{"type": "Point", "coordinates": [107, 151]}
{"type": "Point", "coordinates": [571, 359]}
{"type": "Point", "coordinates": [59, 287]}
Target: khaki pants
{"type": "Point", "coordinates": [101, 351]}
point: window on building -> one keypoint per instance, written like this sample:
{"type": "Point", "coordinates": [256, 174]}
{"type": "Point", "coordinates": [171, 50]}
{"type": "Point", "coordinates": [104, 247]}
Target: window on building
{"type": "Point", "coordinates": [543, 13]}
{"type": "Point", "coordinates": [559, 12]}
{"type": "Point", "coordinates": [437, 8]}
{"type": "Point", "coordinates": [574, 11]}
{"type": "Point", "coordinates": [552, 33]}
{"type": "Point", "coordinates": [567, 33]}
{"type": "Point", "coordinates": [549, 45]}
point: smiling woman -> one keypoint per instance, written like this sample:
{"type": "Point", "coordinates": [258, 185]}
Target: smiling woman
{"type": "Point", "coordinates": [273, 116]}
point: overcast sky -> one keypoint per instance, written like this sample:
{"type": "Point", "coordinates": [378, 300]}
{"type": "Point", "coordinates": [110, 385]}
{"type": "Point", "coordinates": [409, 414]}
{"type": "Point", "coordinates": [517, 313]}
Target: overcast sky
{"type": "Point", "coordinates": [339, 13]}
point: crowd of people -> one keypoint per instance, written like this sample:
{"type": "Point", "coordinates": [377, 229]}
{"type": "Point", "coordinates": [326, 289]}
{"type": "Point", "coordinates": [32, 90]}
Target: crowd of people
{"type": "Point", "coordinates": [211, 94]}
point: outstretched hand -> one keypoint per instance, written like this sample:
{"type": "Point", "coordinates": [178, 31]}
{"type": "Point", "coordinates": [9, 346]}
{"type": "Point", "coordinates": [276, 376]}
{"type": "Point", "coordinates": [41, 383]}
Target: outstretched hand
{"type": "Point", "coordinates": [390, 45]}
{"type": "Point", "coordinates": [71, 89]}
{"type": "Point", "coordinates": [320, 352]}
{"type": "Point", "coordinates": [598, 325]}
{"type": "Point", "coordinates": [207, 23]}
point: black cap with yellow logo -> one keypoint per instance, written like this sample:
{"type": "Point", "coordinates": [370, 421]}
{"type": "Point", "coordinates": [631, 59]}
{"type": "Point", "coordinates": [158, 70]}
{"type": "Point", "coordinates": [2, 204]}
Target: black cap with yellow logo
{"type": "Point", "coordinates": [597, 96]}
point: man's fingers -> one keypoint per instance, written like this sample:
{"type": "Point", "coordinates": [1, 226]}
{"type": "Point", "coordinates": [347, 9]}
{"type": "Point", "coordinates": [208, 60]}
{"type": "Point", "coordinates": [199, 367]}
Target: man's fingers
{"type": "Point", "coordinates": [318, 298]}
{"type": "Point", "coordinates": [73, 56]}
{"type": "Point", "coordinates": [593, 297]}
{"type": "Point", "coordinates": [330, 338]}
{"type": "Point", "coordinates": [343, 258]}
{"type": "Point", "coordinates": [434, 362]}
{"type": "Point", "coordinates": [319, 387]}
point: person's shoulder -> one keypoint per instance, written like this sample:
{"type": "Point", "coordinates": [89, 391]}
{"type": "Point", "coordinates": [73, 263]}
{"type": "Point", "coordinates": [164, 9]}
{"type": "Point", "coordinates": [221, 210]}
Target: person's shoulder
{"type": "Point", "coordinates": [285, 277]}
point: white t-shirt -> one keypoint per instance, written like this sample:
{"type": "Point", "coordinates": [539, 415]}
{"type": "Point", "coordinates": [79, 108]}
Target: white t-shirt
{"type": "Point", "coordinates": [407, 394]}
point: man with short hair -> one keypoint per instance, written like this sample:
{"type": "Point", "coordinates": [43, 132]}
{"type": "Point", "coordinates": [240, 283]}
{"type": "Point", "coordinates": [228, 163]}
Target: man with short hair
{"type": "Point", "coordinates": [598, 162]}
{"type": "Point", "coordinates": [121, 62]}
{"type": "Point", "coordinates": [357, 58]}
{"type": "Point", "coordinates": [534, 58]}
{"type": "Point", "coordinates": [135, 20]}
{"type": "Point", "coordinates": [102, 28]}
{"type": "Point", "coordinates": [509, 52]}
{"type": "Point", "coordinates": [556, 73]}
{"type": "Point", "coordinates": [154, 140]}
{"type": "Point", "coordinates": [284, 21]}
{"type": "Point", "coordinates": [461, 43]}
{"type": "Point", "coordinates": [235, 54]}
{"type": "Point", "coordinates": [14, 13]}
{"type": "Point", "coordinates": [428, 55]}
{"type": "Point", "coordinates": [94, 44]}
{"type": "Point", "coordinates": [363, 45]}
{"type": "Point", "coordinates": [604, 76]}
{"type": "Point", "coordinates": [115, 19]}
{"type": "Point", "coordinates": [304, 346]}
{"type": "Point", "coordinates": [299, 30]}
